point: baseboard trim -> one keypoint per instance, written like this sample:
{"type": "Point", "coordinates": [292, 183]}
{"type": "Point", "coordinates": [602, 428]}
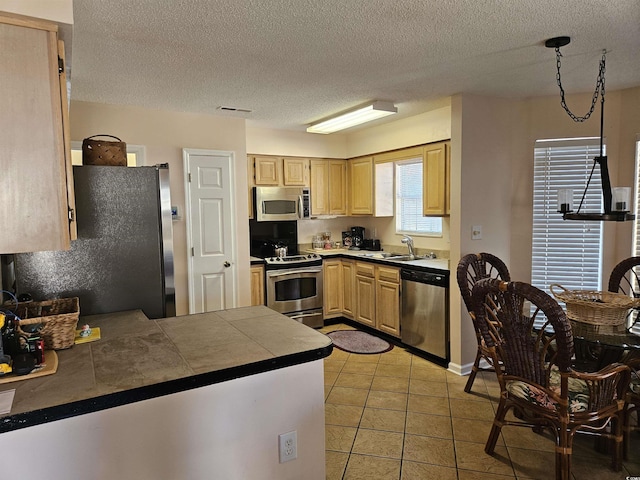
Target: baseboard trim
{"type": "Point", "coordinates": [466, 368]}
{"type": "Point", "coordinates": [461, 370]}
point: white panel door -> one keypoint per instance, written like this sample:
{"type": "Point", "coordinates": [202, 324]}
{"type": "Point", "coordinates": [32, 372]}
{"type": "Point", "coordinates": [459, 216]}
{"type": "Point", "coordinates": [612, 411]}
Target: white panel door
{"type": "Point", "coordinates": [210, 230]}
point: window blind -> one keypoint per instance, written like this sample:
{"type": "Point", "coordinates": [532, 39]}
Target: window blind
{"type": "Point", "coordinates": [636, 223]}
{"type": "Point", "coordinates": [409, 217]}
{"type": "Point", "coordinates": [567, 252]}
{"type": "Point", "coordinates": [636, 227]}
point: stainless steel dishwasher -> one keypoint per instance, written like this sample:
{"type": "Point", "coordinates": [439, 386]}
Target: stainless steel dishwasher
{"type": "Point", "coordinates": [424, 320]}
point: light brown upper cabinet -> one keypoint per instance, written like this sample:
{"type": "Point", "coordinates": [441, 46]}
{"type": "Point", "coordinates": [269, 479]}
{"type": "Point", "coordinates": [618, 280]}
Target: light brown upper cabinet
{"type": "Point", "coordinates": [35, 155]}
{"type": "Point", "coordinates": [296, 171]}
{"type": "Point", "coordinates": [275, 171]}
{"type": "Point", "coordinates": [279, 171]}
{"type": "Point", "coordinates": [361, 183]}
{"type": "Point", "coordinates": [328, 187]}
{"type": "Point", "coordinates": [435, 196]}
{"type": "Point", "coordinates": [267, 170]}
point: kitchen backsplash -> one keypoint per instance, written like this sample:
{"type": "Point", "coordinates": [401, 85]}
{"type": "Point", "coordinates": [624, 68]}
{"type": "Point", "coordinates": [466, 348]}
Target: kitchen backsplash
{"type": "Point", "coordinates": [375, 227]}
{"type": "Point", "coordinates": [441, 254]}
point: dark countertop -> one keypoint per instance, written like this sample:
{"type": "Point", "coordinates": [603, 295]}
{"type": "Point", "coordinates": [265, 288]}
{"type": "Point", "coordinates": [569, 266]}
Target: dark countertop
{"type": "Point", "coordinates": [256, 261]}
{"type": "Point", "coordinates": [137, 359]}
{"type": "Point", "coordinates": [433, 265]}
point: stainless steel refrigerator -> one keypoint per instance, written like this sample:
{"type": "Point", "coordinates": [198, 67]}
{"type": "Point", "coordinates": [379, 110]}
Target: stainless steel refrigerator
{"type": "Point", "coordinates": [123, 257]}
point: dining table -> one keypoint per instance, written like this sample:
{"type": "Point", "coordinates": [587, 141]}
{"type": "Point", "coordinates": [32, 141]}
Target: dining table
{"type": "Point", "coordinates": [597, 346]}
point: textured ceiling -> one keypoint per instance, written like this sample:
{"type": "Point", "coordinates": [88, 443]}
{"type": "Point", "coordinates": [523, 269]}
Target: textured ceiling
{"type": "Point", "coordinates": [293, 62]}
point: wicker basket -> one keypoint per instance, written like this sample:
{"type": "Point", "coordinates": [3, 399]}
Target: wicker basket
{"type": "Point", "coordinates": [58, 317]}
{"type": "Point", "coordinates": [594, 307]}
{"type": "Point", "coordinates": [104, 152]}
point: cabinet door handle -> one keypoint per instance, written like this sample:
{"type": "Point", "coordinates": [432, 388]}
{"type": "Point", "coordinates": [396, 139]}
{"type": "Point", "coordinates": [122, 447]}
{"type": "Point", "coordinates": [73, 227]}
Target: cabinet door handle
{"type": "Point", "coordinates": [227, 264]}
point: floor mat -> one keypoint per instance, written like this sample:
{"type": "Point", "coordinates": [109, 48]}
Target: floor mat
{"type": "Point", "coordinates": [354, 341]}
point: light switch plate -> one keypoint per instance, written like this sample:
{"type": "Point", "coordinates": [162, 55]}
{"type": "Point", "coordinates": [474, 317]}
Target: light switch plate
{"type": "Point", "coordinates": [476, 232]}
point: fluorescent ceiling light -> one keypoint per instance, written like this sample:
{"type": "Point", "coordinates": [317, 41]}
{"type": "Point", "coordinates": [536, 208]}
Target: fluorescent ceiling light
{"type": "Point", "coordinates": [354, 117]}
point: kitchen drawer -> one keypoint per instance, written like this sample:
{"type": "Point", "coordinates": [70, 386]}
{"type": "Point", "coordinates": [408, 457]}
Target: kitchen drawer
{"type": "Point", "coordinates": [365, 269]}
{"type": "Point", "coordinates": [389, 274]}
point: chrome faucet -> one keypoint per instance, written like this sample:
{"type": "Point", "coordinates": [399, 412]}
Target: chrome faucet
{"type": "Point", "coordinates": [409, 241]}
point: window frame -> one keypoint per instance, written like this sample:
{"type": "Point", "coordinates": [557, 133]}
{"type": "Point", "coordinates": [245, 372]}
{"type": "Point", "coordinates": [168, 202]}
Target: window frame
{"type": "Point", "coordinates": [552, 236]}
{"type": "Point", "coordinates": [433, 233]}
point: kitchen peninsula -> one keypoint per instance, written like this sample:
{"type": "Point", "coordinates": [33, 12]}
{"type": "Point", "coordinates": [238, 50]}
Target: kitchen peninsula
{"type": "Point", "coordinates": [191, 397]}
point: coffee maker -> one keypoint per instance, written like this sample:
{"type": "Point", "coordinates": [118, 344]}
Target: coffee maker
{"type": "Point", "coordinates": [357, 238]}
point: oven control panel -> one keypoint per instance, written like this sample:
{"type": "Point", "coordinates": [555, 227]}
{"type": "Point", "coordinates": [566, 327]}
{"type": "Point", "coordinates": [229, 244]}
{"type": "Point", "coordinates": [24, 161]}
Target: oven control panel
{"type": "Point", "coordinates": [294, 260]}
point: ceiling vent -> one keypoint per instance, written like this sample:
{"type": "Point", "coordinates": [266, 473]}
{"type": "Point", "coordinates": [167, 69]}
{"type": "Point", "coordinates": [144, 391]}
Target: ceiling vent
{"type": "Point", "coordinates": [234, 109]}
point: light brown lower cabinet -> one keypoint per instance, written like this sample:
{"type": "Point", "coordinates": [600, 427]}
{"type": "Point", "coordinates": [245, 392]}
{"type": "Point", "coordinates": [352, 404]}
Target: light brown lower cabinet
{"type": "Point", "coordinates": [388, 300]}
{"type": "Point", "coordinates": [348, 288]}
{"type": "Point", "coordinates": [377, 297]}
{"type": "Point", "coordinates": [362, 291]}
{"type": "Point", "coordinates": [257, 285]}
{"type": "Point", "coordinates": [332, 288]}
{"type": "Point", "coordinates": [365, 293]}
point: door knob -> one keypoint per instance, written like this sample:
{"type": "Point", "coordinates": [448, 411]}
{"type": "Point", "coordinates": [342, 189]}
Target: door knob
{"type": "Point", "coordinates": [227, 264]}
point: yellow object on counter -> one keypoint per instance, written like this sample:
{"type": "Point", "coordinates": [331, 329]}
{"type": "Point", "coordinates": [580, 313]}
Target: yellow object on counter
{"type": "Point", "coordinates": [92, 337]}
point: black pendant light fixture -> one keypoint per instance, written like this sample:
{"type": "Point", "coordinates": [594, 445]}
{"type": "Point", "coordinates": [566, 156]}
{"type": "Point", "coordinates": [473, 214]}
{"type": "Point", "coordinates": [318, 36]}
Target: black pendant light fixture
{"type": "Point", "coordinates": [615, 209]}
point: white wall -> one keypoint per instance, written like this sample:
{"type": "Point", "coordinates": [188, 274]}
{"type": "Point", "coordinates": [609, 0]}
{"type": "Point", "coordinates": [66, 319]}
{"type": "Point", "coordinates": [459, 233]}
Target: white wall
{"type": "Point", "coordinates": [431, 126]}
{"type": "Point", "coordinates": [55, 10]}
{"type": "Point", "coordinates": [165, 134]}
{"type": "Point", "coordinates": [480, 195]}
{"type": "Point", "coordinates": [491, 180]}
{"type": "Point", "coordinates": [224, 431]}
{"type": "Point", "coordinates": [267, 141]}
{"type": "Point", "coordinates": [545, 118]}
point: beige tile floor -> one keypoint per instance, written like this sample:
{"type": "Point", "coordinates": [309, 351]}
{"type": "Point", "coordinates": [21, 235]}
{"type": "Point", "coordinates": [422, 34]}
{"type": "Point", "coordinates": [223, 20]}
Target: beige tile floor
{"type": "Point", "coordinates": [397, 416]}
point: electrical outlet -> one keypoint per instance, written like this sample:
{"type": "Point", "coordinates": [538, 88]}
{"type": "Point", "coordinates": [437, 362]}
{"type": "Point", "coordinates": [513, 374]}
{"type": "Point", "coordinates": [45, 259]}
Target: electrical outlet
{"type": "Point", "coordinates": [288, 446]}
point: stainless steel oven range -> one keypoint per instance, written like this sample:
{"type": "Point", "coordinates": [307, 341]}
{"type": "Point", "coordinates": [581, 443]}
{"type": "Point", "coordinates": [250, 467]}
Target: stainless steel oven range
{"type": "Point", "coordinates": [294, 287]}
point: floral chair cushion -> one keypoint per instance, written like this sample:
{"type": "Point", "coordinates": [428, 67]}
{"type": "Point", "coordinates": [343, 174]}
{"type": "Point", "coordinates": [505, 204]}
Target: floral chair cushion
{"type": "Point", "coordinates": [634, 386]}
{"type": "Point", "coordinates": [578, 393]}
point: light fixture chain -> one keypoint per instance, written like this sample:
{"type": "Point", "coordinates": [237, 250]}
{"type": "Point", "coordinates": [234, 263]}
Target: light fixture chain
{"type": "Point", "coordinates": [598, 91]}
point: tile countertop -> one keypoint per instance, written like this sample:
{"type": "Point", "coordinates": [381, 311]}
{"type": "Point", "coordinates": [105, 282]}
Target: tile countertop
{"type": "Point", "coordinates": [423, 263]}
{"type": "Point", "coordinates": [137, 359]}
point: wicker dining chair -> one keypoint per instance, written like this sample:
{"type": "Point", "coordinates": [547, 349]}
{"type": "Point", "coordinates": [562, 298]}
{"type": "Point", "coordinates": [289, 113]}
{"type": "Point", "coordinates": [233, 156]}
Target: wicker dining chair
{"type": "Point", "coordinates": [625, 278]}
{"type": "Point", "coordinates": [535, 347]}
{"type": "Point", "coordinates": [633, 405]}
{"type": "Point", "coordinates": [472, 268]}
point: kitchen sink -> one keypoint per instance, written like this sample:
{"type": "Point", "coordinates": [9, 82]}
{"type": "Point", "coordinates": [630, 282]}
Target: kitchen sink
{"type": "Point", "coordinates": [381, 255]}
{"type": "Point", "coordinates": [405, 258]}
{"type": "Point", "coordinates": [397, 257]}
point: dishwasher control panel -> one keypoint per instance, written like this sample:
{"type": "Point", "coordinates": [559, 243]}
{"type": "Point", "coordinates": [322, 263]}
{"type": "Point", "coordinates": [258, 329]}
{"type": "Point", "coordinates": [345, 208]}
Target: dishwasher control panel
{"type": "Point", "coordinates": [429, 278]}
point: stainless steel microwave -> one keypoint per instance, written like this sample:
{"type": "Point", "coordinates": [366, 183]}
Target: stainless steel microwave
{"type": "Point", "coordinates": [281, 203]}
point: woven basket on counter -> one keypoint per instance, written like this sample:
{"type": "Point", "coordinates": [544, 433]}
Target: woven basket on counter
{"type": "Point", "coordinates": [58, 317]}
{"type": "Point", "coordinates": [595, 307]}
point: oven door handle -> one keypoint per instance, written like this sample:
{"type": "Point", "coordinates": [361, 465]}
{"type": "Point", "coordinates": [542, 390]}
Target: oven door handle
{"type": "Point", "coordinates": [296, 272]}
{"type": "Point", "coordinates": [304, 315]}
